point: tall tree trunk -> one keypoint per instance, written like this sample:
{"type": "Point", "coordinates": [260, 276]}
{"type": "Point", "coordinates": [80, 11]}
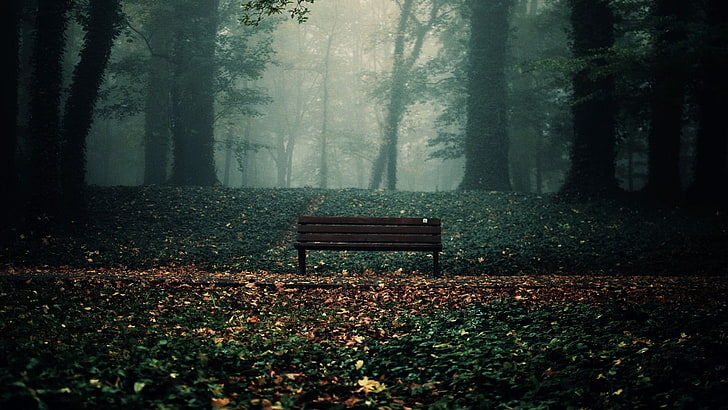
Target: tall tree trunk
{"type": "Point", "coordinates": [157, 109]}
{"type": "Point", "coordinates": [8, 141]}
{"type": "Point", "coordinates": [486, 130]}
{"type": "Point", "coordinates": [88, 75]}
{"type": "Point", "coordinates": [398, 99]}
{"type": "Point", "coordinates": [710, 184]}
{"type": "Point", "coordinates": [669, 79]}
{"type": "Point", "coordinates": [193, 94]}
{"type": "Point", "coordinates": [324, 158]}
{"type": "Point", "coordinates": [594, 106]}
{"type": "Point", "coordinates": [387, 157]}
{"type": "Point", "coordinates": [45, 98]}
{"type": "Point", "coordinates": [228, 159]}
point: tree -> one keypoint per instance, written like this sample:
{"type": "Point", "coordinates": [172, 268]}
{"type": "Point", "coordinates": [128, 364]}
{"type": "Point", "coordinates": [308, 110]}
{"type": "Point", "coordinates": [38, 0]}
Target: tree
{"type": "Point", "coordinates": [101, 29]}
{"type": "Point", "coordinates": [193, 111]}
{"type": "Point", "coordinates": [594, 105]}
{"type": "Point", "coordinates": [240, 54]}
{"type": "Point", "coordinates": [325, 80]}
{"type": "Point", "coordinates": [255, 10]}
{"type": "Point", "coordinates": [157, 103]}
{"type": "Point", "coordinates": [539, 120]}
{"type": "Point", "coordinates": [669, 77]}
{"type": "Point", "coordinates": [387, 157]}
{"type": "Point", "coordinates": [486, 135]}
{"type": "Point", "coordinates": [58, 150]}
{"type": "Point", "coordinates": [8, 141]}
{"type": "Point", "coordinates": [44, 121]}
{"type": "Point", "coordinates": [398, 92]}
{"type": "Point", "coordinates": [710, 184]}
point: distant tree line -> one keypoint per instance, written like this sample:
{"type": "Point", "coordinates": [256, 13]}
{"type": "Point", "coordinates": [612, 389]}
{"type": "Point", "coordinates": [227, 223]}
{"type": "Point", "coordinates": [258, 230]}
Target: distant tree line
{"type": "Point", "coordinates": [634, 70]}
{"type": "Point", "coordinates": [48, 120]}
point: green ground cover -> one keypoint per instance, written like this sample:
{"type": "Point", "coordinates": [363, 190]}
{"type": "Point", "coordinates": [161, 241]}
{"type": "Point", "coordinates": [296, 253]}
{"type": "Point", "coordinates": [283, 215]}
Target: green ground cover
{"type": "Point", "coordinates": [491, 233]}
{"type": "Point", "coordinates": [111, 344]}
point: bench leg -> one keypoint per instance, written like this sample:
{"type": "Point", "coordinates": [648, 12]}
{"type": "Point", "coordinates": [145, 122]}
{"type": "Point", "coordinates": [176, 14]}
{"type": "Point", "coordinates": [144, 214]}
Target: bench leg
{"type": "Point", "coordinates": [302, 261]}
{"type": "Point", "coordinates": [436, 263]}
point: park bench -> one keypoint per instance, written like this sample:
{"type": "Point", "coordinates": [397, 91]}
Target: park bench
{"type": "Point", "coordinates": [335, 233]}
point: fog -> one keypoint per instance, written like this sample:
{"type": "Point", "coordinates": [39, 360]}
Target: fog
{"type": "Point", "coordinates": [430, 95]}
{"type": "Point", "coordinates": [322, 84]}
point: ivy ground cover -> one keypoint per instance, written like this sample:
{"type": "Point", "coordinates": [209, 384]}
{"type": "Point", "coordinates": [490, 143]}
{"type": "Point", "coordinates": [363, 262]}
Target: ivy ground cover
{"type": "Point", "coordinates": [484, 233]}
{"type": "Point", "coordinates": [103, 343]}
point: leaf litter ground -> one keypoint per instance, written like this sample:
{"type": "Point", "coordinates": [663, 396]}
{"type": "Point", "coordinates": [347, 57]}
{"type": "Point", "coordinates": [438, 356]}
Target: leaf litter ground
{"type": "Point", "coordinates": [75, 340]}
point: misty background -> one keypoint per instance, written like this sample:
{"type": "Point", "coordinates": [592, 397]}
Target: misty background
{"type": "Point", "coordinates": [300, 89]}
{"type": "Point", "coordinates": [572, 96]}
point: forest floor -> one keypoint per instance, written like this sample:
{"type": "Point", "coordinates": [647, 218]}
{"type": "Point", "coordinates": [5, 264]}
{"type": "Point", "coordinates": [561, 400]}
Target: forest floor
{"type": "Point", "coordinates": [182, 298]}
{"type": "Point", "coordinates": [484, 233]}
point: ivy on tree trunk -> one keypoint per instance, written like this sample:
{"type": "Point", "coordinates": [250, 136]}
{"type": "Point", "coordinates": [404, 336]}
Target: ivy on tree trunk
{"type": "Point", "coordinates": [486, 130]}
{"type": "Point", "coordinates": [101, 30]}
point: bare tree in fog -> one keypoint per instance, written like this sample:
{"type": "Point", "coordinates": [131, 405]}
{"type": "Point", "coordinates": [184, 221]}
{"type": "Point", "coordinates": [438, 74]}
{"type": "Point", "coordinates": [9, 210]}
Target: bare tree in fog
{"type": "Point", "coordinates": [398, 98]}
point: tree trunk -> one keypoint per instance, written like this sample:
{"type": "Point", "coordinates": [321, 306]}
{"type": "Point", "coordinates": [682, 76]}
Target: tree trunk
{"type": "Point", "coordinates": [398, 99]}
{"type": "Point", "coordinates": [486, 130]}
{"type": "Point", "coordinates": [8, 141]}
{"type": "Point", "coordinates": [387, 157]}
{"type": "Point", "coordinates": [193, 94]}
{"type": "Point", "coordinates": [594, 106]}
{"type": "Point", "coordinates": [157, 109]}
{"type": "Point", "coordinates": [88, 75]}
{"type": "Point", "coordinates": [46, 83]}
{"type": "Point", "coordinates": [324, 158]}
{"type": "Point", "coordinates": [710, 184]}
{"type": "Point", "coordinates": [669, 78]}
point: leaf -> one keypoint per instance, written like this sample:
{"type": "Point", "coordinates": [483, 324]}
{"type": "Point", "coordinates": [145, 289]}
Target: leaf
{"type": "Point", "coordinates": [139, 386]}
{"type": "Point", "coordinates": [370, 386]}
{"type": "Point", "coordinates": [219, 402]}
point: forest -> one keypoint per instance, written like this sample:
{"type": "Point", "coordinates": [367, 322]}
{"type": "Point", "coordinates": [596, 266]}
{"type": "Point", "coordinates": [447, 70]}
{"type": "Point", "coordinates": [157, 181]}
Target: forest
{"type": "Point", "coordinates": [156, 157]}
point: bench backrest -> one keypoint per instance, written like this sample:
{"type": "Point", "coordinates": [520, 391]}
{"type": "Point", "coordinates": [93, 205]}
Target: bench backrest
{"type": "Point", "coordinates": [335, 229]}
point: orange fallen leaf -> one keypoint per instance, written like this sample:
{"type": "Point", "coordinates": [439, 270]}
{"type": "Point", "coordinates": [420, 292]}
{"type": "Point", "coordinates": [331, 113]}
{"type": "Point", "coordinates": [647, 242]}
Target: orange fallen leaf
{"type": "Point", "coordinates": [219, 402]}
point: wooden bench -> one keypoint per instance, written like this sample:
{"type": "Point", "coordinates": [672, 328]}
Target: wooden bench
{"type": "Point", "coordinates": [335, 233]}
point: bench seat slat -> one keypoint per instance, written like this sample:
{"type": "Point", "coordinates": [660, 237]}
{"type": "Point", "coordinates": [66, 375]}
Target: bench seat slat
{"type": "Point", "coordinates": [369, 246]}
{"type": "Point", "coordinates": [357, 220]}
{"type": "Point", "coordinates": [378, 229]}
{"type": "Point", "coordinates": [355, 238]}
